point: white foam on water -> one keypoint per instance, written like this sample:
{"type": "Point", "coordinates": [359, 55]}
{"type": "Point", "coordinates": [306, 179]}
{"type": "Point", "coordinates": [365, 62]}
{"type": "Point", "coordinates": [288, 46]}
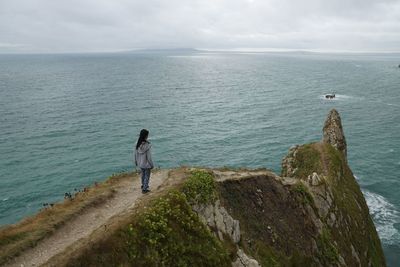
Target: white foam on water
{"type": "Point", "coordinates": [339, 97]}
{"type": "Point", "coordinates": [5, 199]}
{"type": "Point", "coordinates": [390, 104]}
{"type": "Point", "coordinates": [385, 215]}
{"type": "Point", "coordinates": [391, 150]}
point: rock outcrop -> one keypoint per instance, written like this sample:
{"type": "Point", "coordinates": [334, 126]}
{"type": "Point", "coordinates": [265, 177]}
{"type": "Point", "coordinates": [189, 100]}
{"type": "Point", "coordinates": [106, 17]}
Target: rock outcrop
{"type": "Point", "coordinates": [333, 132]}
{"type": "Point", "coordinates": [221, 222]}
{"type": "Point", "coordinates": [313, 215]}
{"type": "Point", "coordinates": [244, 261]}
{"type": "Point", "coordinates": [216, 217]}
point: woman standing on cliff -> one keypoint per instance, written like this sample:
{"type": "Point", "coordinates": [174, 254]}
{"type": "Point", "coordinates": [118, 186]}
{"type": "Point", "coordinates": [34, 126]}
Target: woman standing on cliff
{"type": "Point", "coordinates": [143, 159]}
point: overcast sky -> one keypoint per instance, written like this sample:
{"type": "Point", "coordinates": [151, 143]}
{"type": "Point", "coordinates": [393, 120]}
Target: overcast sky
{"type": "Point", "coordinates": [114, 25]}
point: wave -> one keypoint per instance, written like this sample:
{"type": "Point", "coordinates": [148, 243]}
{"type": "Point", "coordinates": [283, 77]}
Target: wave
{"type": "Point", "coordinates": [385, 216]}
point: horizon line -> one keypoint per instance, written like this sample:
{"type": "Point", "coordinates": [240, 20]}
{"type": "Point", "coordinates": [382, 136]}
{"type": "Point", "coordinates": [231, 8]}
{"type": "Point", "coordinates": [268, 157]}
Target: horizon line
{"type": "Point", "coordinates": [206, 50]}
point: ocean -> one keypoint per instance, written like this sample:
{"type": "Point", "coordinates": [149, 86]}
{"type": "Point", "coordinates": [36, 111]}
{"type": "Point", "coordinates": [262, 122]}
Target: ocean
{"type": "Point", "coordinates": [69, 120]}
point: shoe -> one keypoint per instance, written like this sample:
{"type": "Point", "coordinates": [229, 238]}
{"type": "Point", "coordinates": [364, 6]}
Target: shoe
{"type": "Point", "coordinates": [145, 191]}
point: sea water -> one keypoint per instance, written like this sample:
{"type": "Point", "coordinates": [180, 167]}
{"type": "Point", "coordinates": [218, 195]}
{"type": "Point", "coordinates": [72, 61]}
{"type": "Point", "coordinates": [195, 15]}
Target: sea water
{"type": "Point", "coordinates": [70, 120]}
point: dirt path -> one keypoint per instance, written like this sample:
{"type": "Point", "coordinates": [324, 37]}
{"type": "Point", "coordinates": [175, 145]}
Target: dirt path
{"type": "Point", "coordinates": [128, 192]}
{"type": "Point", "coordinates": [236, 175]}
{"type": "Point", "coordinates": [321, 149]}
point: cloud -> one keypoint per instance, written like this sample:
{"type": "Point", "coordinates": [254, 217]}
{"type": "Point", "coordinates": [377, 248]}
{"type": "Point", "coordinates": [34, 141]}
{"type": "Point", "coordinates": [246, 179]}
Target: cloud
{"type": "Point", "coordinates": [103, 25]}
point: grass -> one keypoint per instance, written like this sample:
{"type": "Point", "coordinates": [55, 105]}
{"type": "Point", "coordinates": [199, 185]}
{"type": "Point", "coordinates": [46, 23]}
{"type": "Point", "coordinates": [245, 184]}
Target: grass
{"type": "Point", "coordinates": [169, 233]}
{"type": "Point", "coordinates": [16, 238]}
{"type": "Point", "coordinates": [163, 231]}
{"type": "Point", "coordinates": [199, 187]}
{"type": "Point", "coordinates": [347, 197]}
{"type": "Point", "coordinates": [267, 255]}
{"type": "Point", "coordinates": [328, 253]}
{"type": "Point", "coordinates": [347, 194]}
{"type": "Point", "coordinates": [305, 196]}
{"type": "Point", "coordinates": [307, 161]}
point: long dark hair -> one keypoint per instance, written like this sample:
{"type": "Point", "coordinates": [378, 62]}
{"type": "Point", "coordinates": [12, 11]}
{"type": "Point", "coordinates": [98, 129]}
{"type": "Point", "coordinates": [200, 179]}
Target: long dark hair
{"type": "Point", "coordinates": [142, 137]}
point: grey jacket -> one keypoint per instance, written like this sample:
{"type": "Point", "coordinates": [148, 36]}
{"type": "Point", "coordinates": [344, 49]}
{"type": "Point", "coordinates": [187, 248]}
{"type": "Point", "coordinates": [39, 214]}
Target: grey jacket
{"type": "Point", "coordinates": [143, 156]}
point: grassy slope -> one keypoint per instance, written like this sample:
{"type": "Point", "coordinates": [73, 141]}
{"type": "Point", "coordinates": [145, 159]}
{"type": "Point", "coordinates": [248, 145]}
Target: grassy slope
{"type": "Point", "coordinates": [275, 222]}
{"type": "Point", "coordinates": [356, 225]}
{"type": "Point", "coordinates": [348, 196]}
{"type": "Point", "coordinates": [163, 232]}
{"type": "Point", "coordinates": [16, 238]}
{"type": "Point", "coordinates": [275, 218]}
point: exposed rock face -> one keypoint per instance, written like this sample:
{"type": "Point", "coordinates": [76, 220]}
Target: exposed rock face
{"type": "Point", "coordinates": [288, 168]}
{"type": "Point", "coordinates": [314, 179]}
{"type": "Point", "coordinates": [272, 218]}
{"type": "Point", "coordinates": [244, 261]}
{"type": "Point", "coordinates": [333, 132]}
{"type": "Point", "coordinates": [216, 217]}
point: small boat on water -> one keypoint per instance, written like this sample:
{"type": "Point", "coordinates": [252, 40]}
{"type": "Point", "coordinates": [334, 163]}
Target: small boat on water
{"type": "Point", "coordinates": [330, 96]}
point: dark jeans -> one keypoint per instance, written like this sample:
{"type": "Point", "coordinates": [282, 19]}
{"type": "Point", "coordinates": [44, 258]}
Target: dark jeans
{"type": "Point", "coordinates": [145, 178]}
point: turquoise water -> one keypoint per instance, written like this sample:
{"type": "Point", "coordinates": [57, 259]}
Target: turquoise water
{"type": "Point", "coordinates": [69, 120]}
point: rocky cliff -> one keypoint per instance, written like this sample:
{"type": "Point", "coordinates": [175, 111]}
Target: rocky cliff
{"type": "Point", "coordinates": [313, 214]}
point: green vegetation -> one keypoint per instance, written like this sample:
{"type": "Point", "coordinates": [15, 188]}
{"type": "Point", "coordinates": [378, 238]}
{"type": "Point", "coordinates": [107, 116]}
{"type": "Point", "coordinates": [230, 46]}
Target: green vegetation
{"type": "Point", "coordinates": [307, 161]}
{"type": "Point", "coordinates": [306, 197]}
{"type": "Point", "coordinates": [169, 233]}
{"type": "Point", "coordinates": [349, 198]}
{"type": "Point", "coordinates": [164, 233]}
{"type": "Point", "coordinates": [328, 253]}
{"type": "Point", "coordinates": [310, 161]}
{"type": "Point", "coordinates": [199, 187]}
{"type": "Point", "coordinates": [267, 255]}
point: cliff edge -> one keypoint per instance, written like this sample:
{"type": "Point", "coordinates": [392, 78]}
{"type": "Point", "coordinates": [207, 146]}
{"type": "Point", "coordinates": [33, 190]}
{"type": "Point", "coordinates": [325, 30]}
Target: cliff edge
{"type": "Point", "coordinates": [313, 214]}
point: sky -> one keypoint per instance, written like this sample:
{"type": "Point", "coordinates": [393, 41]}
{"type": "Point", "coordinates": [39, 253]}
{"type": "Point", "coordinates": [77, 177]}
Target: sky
{"type": "Point", "coordinates": [57, 26]}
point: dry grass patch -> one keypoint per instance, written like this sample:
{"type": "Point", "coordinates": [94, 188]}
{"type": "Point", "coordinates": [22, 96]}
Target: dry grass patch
{"type": "Point", "coordinates": [26, 234]}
